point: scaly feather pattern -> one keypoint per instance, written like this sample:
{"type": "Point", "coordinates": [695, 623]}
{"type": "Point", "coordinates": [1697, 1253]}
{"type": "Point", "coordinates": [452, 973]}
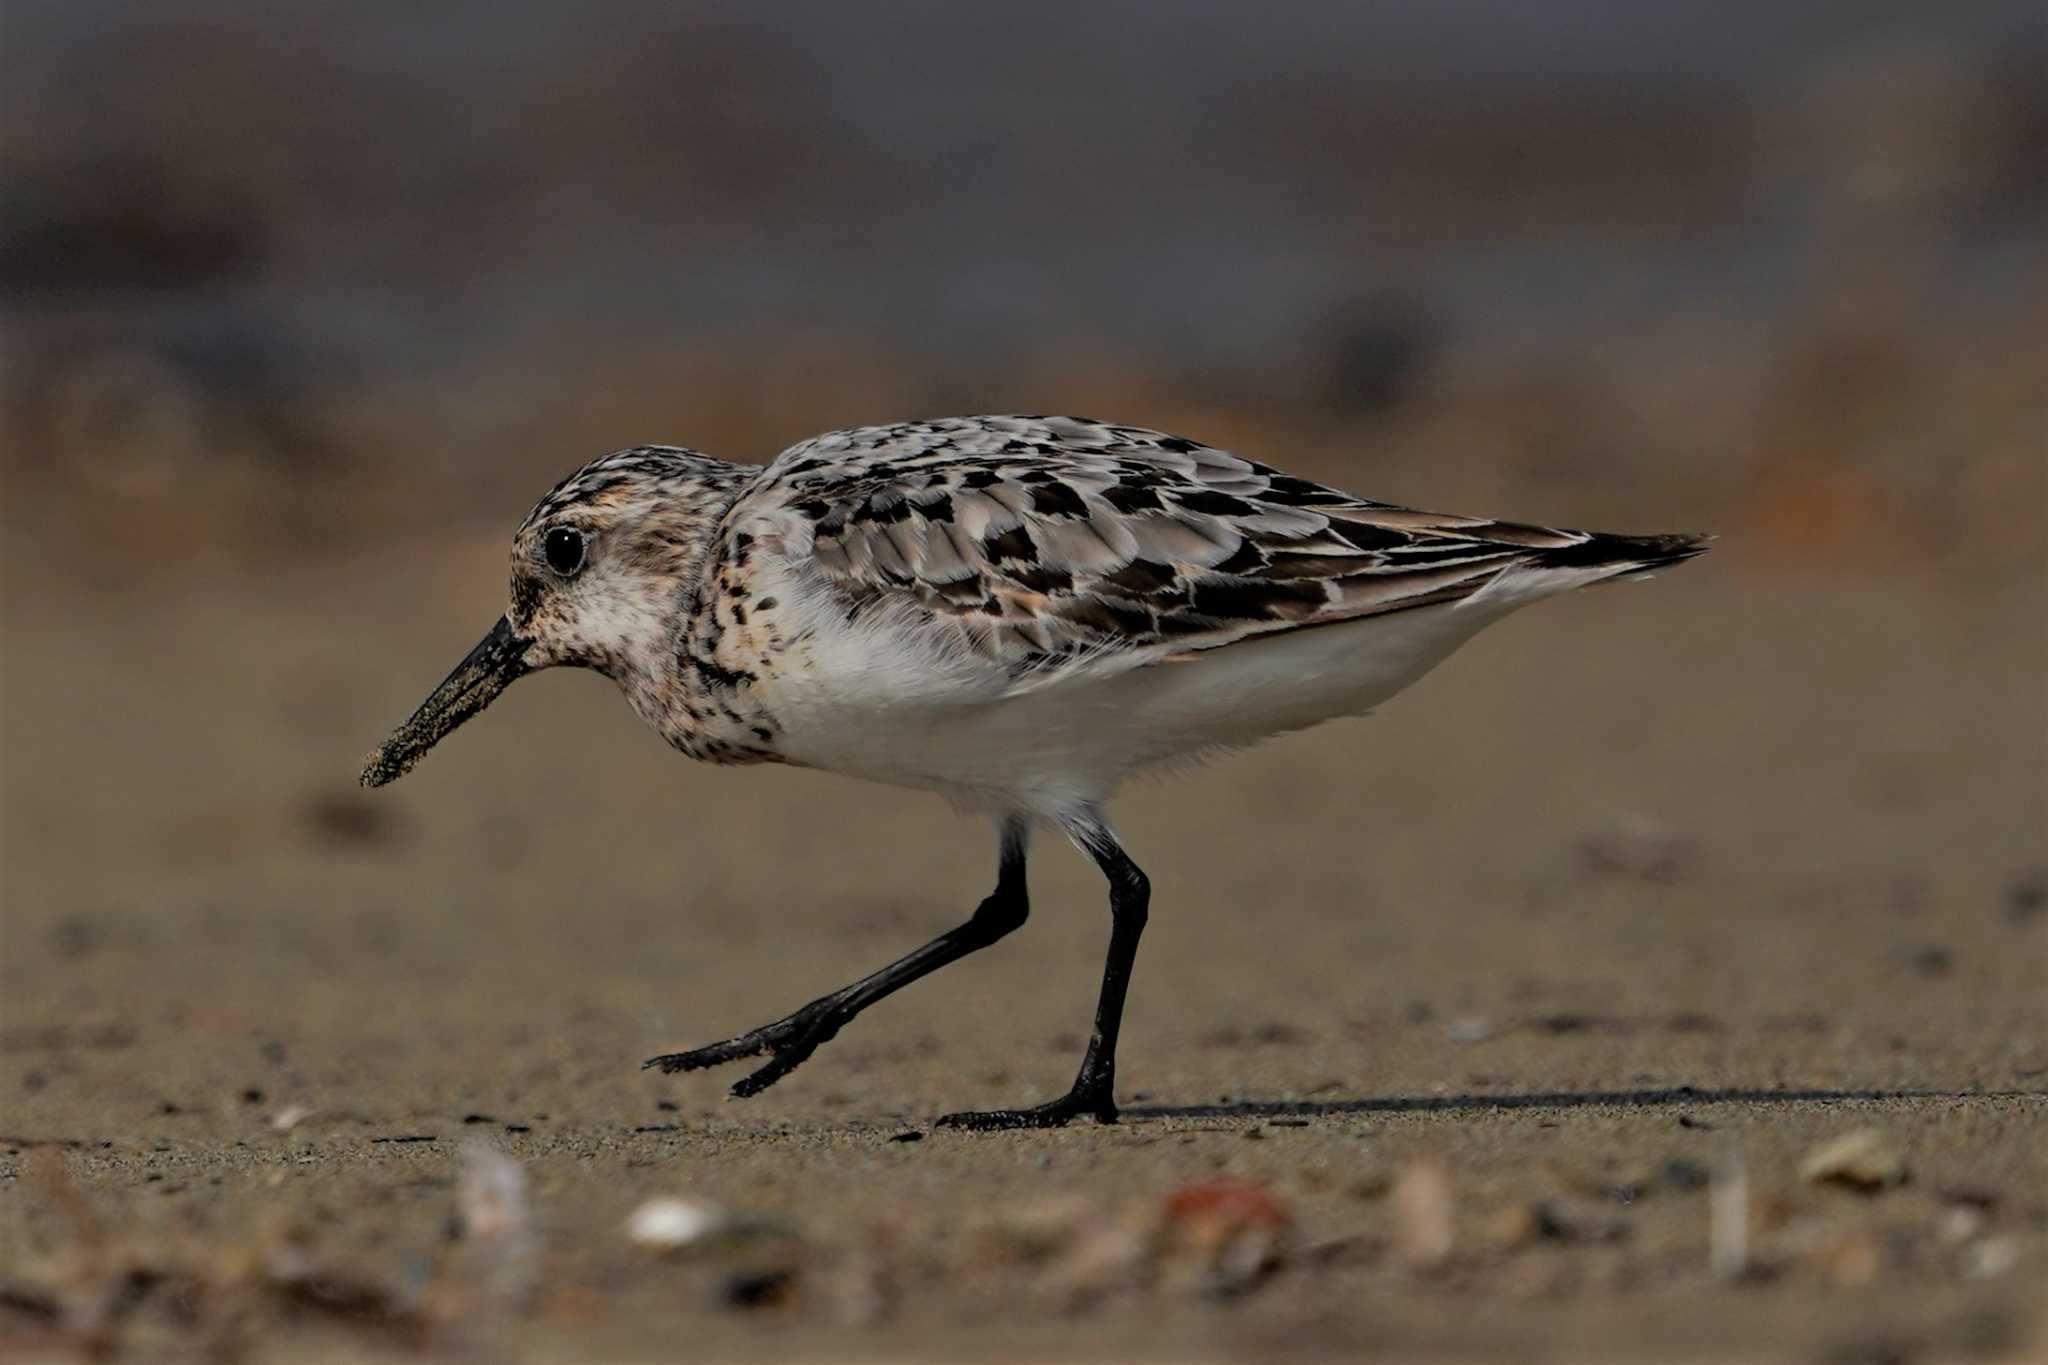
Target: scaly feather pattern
{"type": "Point", "coordinates": [1036, 539]}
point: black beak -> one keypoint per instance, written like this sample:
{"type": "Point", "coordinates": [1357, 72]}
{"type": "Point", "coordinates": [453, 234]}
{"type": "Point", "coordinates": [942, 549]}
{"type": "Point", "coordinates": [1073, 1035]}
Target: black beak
{"type": "Point", "coordinates": [495, 664]}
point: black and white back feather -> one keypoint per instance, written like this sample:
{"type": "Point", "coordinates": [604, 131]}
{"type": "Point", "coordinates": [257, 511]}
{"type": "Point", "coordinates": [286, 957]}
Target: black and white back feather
{"type": "Point", "coordinates": [1037, 539]}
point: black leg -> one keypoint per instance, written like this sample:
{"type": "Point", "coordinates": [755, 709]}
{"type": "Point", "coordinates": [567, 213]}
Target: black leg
{"type": "Point", "coordinates": [794, 1039]}
{"type": "Point", "coordinates": [1094, 1088]}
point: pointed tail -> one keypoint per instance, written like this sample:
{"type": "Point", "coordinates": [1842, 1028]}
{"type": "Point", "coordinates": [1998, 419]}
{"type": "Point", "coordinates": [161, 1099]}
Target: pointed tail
{"type": "Point", "coordinates": [1624, 555]}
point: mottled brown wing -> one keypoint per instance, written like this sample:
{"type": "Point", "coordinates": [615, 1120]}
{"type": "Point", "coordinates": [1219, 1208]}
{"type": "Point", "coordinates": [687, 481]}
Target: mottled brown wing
{"type": "Point", "coordinates": [1040, 539]}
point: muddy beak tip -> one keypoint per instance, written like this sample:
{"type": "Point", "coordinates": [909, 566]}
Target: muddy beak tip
{"type": "Point", "coordinates": [378, 769]}
{"type": "Point", "coordinates": [497, 661]}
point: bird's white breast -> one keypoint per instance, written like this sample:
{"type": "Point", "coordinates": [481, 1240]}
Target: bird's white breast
{"type": "Point", "coordinates": [884, 700]}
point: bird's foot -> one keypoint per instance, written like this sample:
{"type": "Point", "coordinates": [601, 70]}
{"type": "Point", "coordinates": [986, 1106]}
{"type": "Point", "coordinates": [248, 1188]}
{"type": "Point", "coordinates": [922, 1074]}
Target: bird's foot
{"type": "Point", "coordinates": [790, 1042]}
{"type": "Point", "coordinates": [1054, 1114]}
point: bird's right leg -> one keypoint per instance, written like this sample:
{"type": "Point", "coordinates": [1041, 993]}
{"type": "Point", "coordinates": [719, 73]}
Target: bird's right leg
{"type": "Point", "coordinates": [792, 1040]}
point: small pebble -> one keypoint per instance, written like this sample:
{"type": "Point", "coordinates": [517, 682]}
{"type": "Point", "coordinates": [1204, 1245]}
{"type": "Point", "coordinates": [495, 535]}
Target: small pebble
{"type": "Point", "coordinates": [1222, 1237]}
{"type": "Point", "coordinates": [1990, 1258]}
{"type": "Point", "coordinates": [1971, 1196]}
{"type": "Point", "coordinates": [1552, 1224]}
{"type": "Point", "coordinates": [290, 1117]}
{"type": "Point", "coordinates": [1851, 1261]}
{"type": "Point", "coordinates": [1863, 1159]}
{"type": "Point", "coordinates": [1108, 1251]}
{"type": "Point", "coordinates": [1513, 1227]}
{"type": "Point", "coordinates": [1958, 1224]}
{"type": "Point", "coordinates": [758, 1288]}
{"type": "Point", "coordinates": [667, 1223]}
{"type": "Point", "coordinates": [1640, 847]}
{"type": "Point", "coordinates": [1424, 1226]}
{"type": "Point", "coordinates": [1470, 1028]}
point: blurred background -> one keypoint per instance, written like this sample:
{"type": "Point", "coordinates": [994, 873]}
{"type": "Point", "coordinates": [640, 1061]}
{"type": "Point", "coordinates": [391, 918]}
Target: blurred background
{"type": "Point", "coordinates": [309, 270]}
{"type": "Point", "coordinates": [304, 304]}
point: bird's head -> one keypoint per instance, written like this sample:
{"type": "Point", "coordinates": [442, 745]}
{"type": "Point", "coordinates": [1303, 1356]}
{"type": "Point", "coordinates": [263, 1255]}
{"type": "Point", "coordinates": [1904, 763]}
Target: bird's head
{"type": "Point", "coordinates": [603, 570]}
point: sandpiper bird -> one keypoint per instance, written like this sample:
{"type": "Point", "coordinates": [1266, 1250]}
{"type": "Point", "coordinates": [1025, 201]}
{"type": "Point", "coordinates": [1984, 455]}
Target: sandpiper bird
{"type": "Point", "coordinates": [1018, 612]}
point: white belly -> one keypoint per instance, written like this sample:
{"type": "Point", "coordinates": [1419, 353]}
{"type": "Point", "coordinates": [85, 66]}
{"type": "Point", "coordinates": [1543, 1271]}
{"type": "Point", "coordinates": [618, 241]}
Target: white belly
{"type": "Point", "coordinates": [1069, 740]}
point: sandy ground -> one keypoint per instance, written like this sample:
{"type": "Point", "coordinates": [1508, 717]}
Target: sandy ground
{"type": "Point", "coordinates": [1733, 862]}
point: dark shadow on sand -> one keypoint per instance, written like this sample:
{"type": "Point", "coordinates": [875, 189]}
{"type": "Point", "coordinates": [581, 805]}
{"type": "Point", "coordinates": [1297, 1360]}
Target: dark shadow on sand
{"type": "Point", "coordinates": [1625, 1099]}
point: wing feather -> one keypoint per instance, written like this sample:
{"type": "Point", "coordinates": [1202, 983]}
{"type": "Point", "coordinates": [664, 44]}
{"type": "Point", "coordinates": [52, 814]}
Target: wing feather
{"type": "Point", "coordinates": [1036, 540]}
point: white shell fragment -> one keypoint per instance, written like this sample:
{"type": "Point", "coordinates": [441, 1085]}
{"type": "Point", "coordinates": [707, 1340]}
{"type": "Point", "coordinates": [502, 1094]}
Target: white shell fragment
{"type": "Point", "coordinates": [497, 1221]}
{"type": "Point", "coordinates": [290, 1117]}
{"type": "Point", "coordinates": [1728, 1214]}
{"type": "Point", "coordinates": [668, 1223]}
{"type": "Point", "coordinates": [1863, 1159]}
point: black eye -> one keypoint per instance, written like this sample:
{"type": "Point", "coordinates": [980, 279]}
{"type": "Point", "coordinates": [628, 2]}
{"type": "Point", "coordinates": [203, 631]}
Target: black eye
{"type": "Point", "coordinates": [563, 547]}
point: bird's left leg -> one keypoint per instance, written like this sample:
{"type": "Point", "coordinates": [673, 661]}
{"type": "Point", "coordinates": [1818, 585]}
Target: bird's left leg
{"type": "Point", "coordinates": [793, 1039]}
{"type": "Point", "coordinates": [1094, 1089]}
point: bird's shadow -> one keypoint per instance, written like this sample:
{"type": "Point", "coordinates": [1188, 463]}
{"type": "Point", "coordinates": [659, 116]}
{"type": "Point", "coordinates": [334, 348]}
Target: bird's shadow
{"type": "Point", "coordinates": [1568, 1099]}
